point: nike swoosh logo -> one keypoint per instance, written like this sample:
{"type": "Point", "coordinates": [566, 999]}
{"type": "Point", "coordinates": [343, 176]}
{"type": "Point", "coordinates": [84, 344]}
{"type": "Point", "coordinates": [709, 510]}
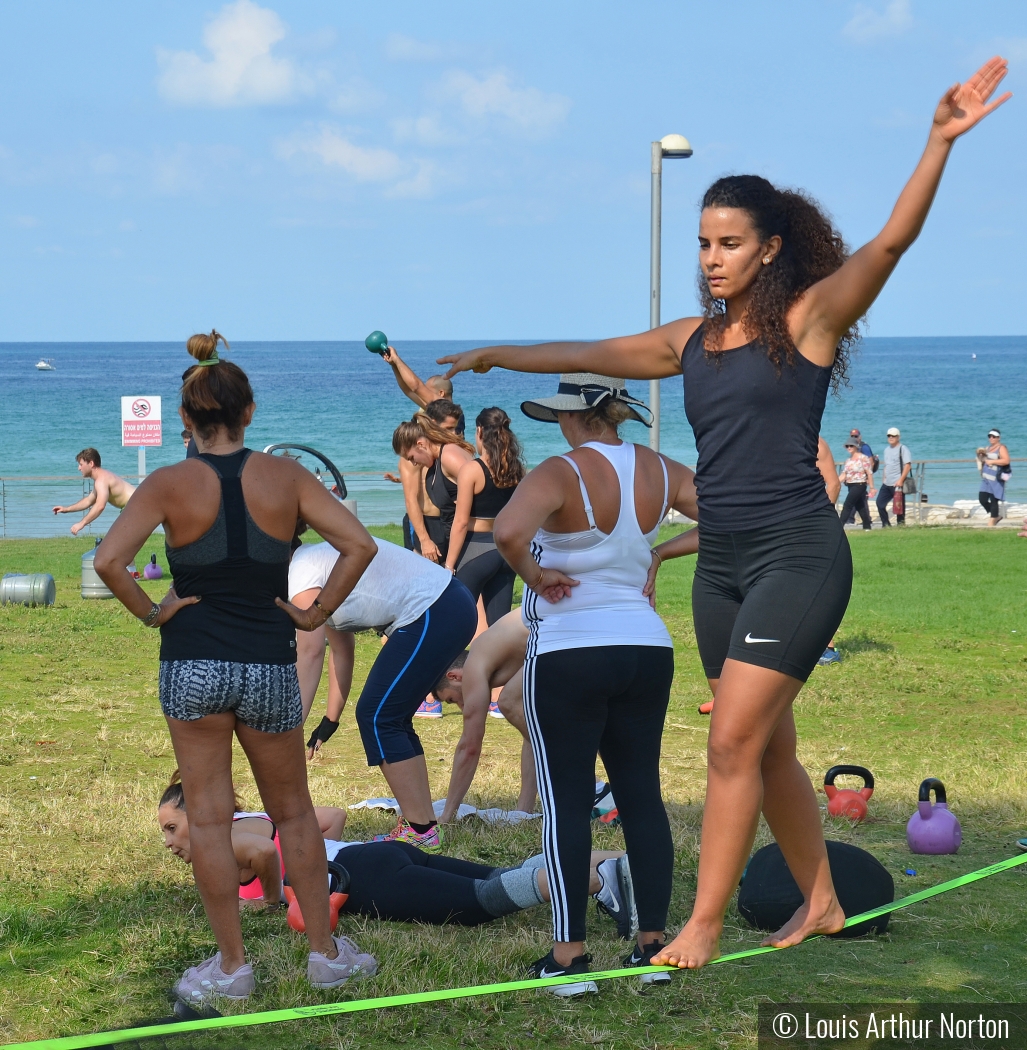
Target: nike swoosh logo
{"type": "Point", "coordinates": [546, 973]}
{"type": "Point", "coordinates": [753, 641]}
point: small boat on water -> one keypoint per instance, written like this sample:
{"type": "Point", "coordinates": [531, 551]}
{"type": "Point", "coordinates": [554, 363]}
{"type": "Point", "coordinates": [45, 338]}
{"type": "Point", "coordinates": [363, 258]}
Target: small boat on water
{"type": "Point", "coordinates": [45, 364]}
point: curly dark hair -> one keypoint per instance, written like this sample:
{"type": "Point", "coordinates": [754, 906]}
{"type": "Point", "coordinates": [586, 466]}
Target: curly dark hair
{"type": "Point", "coordinates": [811, 249]}
{"type": "Point", "coordinates": [503, 450]}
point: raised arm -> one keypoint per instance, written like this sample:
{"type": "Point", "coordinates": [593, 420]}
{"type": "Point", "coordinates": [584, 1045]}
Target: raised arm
{"type": "Point", "coordinates": [655, 354]}
{"type": "Point", "coordinates": [407, 379]}
{"type": "Point", "coordinates": [828, 309]}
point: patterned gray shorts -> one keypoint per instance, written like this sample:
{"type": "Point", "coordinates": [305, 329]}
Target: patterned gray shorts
{"type": "Point", "coordinates": [263, 696]}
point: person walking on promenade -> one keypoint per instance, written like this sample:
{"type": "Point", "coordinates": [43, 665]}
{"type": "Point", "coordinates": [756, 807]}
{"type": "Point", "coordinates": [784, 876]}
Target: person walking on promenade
{"type": "Point", "coordinates": [228, 651]}
{"type": "Point", "coordinates": [107, 488]}
{"type": "Point", "coordinates": [869, 453]}
{"type": "Point", "coordinates": [599, 662]}
{"type": "Point", "coordinates": [858, 474]}
{"type": "Point", "coordinates": [898, 462]}
{"type": "Point", "coordinates": [782, 299]}
{"type": "Point", "coordinates": [993, 463]}
{"type": "Point", "coordinates": [484, 487]}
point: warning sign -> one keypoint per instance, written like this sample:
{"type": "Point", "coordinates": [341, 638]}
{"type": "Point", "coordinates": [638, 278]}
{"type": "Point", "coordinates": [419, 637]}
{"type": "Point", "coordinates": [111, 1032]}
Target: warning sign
{"type": "Point", "coordinates": [140, 421]}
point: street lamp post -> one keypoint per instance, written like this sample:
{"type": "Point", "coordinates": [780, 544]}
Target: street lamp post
{"type": "Point", "coordinates": [668, 146]}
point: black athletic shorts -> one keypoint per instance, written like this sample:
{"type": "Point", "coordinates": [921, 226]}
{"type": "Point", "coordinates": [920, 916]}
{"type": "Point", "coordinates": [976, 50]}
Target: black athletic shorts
{"type": "Point", "coordinates": [437, 531]}
{"type": "Point", "coordinates": [772, 597]}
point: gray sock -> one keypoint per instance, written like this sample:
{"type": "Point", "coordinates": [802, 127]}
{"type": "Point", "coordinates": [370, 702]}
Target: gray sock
{"type": "Point", "coordinates": [508, 890]}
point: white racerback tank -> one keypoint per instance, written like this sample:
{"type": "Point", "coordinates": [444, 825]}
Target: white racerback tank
{"type": "Point", "coordinates": [607, 607]}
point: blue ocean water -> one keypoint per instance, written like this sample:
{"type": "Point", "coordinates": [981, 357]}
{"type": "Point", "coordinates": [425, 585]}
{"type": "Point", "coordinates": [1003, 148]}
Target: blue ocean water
{"type": "Point", "coordinates": [343, 401]}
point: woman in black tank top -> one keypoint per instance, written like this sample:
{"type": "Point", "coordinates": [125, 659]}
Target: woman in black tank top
{"type": "Point", "coordinates": [484, 488]}
{"type": "Point", "coordinates": [782, 300]}
{"type": "Point", "coordinates": [228, 648]}
{"type": "Point", "coordinates": [424, 443]}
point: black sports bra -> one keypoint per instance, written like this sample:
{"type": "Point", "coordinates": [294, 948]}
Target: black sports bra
{"type": "Point", "coordinates": [441, 491]}
{"type": "Point", "coordinates": [492, 499]}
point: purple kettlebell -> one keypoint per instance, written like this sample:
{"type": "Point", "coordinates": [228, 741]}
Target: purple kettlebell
{"type": "Point", "coordinates": [153, 571]}
{"type": "Point", "coordinates": [933, 829]}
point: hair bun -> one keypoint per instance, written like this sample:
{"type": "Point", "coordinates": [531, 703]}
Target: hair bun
{"type": "Point", "coordinates": [203, 347]}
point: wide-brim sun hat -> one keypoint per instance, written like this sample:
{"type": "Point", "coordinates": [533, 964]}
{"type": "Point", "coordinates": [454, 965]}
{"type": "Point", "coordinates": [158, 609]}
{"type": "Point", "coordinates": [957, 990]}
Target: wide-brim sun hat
{"type": "Point", "coordinates": [580, 391]}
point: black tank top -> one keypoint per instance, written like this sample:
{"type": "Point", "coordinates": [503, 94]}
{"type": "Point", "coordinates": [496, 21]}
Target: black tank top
{"type": "Point", "coordinates": [442, 492]}
{"type": "Point", "coordinates": [492, 499]}
{"type": "Point", "coordinates": [238, 570]}
{"type": "Point", "coordinates": [756, 433]}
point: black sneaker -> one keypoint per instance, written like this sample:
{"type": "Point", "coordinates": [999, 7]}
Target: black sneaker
{"type": "Point", "coordinates": [549, 967]}
{"type": "Point", "coordinates": [616, 895]}
{"type": "Point", "coordinates": [644, 957]}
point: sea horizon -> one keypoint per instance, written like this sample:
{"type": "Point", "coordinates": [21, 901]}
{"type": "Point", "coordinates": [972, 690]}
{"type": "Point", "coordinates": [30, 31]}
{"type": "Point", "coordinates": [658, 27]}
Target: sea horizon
{"type": "Point", "coordinates": [343, 401]}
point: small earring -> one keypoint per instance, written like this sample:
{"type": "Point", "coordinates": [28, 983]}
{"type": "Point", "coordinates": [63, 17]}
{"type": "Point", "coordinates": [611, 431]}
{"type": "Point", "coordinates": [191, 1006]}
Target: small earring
{"type": "Point", "coordinates": [766, 260]}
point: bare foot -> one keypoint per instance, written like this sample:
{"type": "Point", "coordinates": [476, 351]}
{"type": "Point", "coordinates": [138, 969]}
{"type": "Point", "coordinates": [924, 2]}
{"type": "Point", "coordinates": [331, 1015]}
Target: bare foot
{"type": "Point", "coordinates": [803, 924]}
{"type": "Point", "coordinates": [695, 946]}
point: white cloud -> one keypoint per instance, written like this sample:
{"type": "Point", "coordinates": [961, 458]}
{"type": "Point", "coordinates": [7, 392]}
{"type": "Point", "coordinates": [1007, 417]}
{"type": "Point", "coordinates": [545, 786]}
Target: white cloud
{"type": "Point", "coordinates": [868, 24]}
{"type": "Point", "coordinates": [529, 109]}
{"type": "Point", "coordinates": [427, 130]}
{"type": "Point", "coordinates": [356, 95]}
{"type": "Point", "coordinates": [241, 70]}
{"type": "Point", "coordinates": [400, 48]}
{"type": "Point", "coordinates": [366, 164]}
{"type": "Point", "coordinates": [425, 183]}
{"type": "Point", "coordinates": [24, 222]}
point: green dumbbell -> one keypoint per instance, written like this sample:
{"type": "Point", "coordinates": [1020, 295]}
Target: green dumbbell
{"type": "Point", "coordinates": [377, 343]}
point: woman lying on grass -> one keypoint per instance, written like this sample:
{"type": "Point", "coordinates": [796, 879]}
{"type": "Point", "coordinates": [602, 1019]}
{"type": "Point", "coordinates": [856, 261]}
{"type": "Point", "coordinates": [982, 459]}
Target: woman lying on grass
{"type": "Point", "coordinates": [397, 881]}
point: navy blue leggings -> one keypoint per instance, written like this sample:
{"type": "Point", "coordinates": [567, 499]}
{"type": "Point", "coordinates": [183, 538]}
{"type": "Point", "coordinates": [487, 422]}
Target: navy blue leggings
{"type": "Point", "coordinates": [410, 663]}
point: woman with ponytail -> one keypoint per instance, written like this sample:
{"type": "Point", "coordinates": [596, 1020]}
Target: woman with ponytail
{"type": "Point", "coordinates": [424, 442]}
{"type": "Point", "coordinates": [782, 300]}
{"type": "Point", "coordinates": [484, 487]}
{"type": "Point", "coordinates": [228, 651]}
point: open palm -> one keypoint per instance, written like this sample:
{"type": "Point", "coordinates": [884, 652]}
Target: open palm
{"type": "Point", "coordinates": [963, 105]}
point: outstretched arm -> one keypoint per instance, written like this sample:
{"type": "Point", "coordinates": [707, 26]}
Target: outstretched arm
{"type": "Point", "coordinates": [468, 750]}
{"type": "Point", "coordinates": [832, 305]}
{"type": "Point", "coordinates": [407, 379]}
{"type": "Point", "coordinates": [86, 501]}
{"type": "Point", "coordinates": [655, 354]}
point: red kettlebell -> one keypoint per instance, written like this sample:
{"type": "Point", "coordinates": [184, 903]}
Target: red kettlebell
{"type": "Point", "coordinates": [295, 916]}
{"type": "Point", "coordinates": [844, 802]}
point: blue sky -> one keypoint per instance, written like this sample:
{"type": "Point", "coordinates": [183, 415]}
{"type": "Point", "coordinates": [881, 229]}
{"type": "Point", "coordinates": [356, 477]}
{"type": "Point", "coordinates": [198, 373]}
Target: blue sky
{"type": "Point", "coordinates": [315, 170]}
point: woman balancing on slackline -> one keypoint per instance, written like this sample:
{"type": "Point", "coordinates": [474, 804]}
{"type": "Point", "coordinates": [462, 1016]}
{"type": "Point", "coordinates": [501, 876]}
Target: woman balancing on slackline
{"type": "Point", "coordinates": [228, 652]}
{"type": "Point", "coordinates": [781, 303]}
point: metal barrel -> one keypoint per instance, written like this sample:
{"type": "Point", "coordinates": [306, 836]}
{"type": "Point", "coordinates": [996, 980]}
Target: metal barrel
{"type": "Point", "coordinates": [92, 585]}
{"type": "Point", "coordinates": [35, 588]}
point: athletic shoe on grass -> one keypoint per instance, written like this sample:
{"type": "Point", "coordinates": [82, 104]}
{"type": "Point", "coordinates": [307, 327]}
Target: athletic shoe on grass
{"type": "Point", "coordinates": [830, 656]}
{"type": "Point", "coordinates": [644, 957]}
{"type": "Point", "coordinates": [616, 895]}
{"type": "Point", "coordinates": [208, 979]}
{"type": "Point", "coordinates": [1021, 845]}
{"type": "Point", "coordinates": [323, 972]}
{"type": "Point", "coordinates": [494, 711]}
{"type": "Point", "coordinates": [549, 967]}
{"type": "Point", "coordinates": [429, 709]}
{"type": "Point", "coordinates": [430, 841]}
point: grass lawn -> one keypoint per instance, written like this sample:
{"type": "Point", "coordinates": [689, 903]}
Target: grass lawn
{"type": "Point", "coordinates": [97, 920]}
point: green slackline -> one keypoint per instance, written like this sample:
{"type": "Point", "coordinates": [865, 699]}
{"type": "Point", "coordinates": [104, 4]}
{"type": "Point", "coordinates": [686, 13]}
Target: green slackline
{"type": "Point", "coordinates": [81, 1042]}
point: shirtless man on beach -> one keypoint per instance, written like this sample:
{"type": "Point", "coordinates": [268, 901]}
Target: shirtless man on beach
{"type": "Point", "coordinates": [496, 658]}
{"type": "Point", "coordinates": [107, 488]}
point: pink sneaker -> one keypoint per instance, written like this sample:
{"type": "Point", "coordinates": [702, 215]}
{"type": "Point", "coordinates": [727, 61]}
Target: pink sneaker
{"type": "Point", "coordinates": [429, 842]}
{"type": "Point", "coordinates": [323, 972]}
{"type": "Point", "coordinates": [429, 709]}
{"type": "Point", "coordinates": [208, 979]}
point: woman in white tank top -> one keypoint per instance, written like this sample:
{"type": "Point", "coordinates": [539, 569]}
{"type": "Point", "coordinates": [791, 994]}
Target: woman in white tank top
{"type": "Point", "coordinates": [599, 663]}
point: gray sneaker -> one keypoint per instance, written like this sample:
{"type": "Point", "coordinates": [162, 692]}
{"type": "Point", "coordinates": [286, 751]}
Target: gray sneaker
{"type": "Point", "coordinates": [616, 895]}
{"type": "Point", "coordinates": [323, 972]}
{"type": "Point", "coordinates": [208, 979]}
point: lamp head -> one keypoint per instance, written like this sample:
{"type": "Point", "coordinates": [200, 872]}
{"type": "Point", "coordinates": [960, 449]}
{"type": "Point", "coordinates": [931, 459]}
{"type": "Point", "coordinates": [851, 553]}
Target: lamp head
{"type": "Point", "coordinates": [676, 146]}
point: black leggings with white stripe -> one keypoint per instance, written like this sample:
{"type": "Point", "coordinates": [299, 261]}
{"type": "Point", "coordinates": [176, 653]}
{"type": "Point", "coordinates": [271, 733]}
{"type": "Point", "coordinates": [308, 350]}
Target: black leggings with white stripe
{"type": "Point", "coordinates": [609, 701]}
